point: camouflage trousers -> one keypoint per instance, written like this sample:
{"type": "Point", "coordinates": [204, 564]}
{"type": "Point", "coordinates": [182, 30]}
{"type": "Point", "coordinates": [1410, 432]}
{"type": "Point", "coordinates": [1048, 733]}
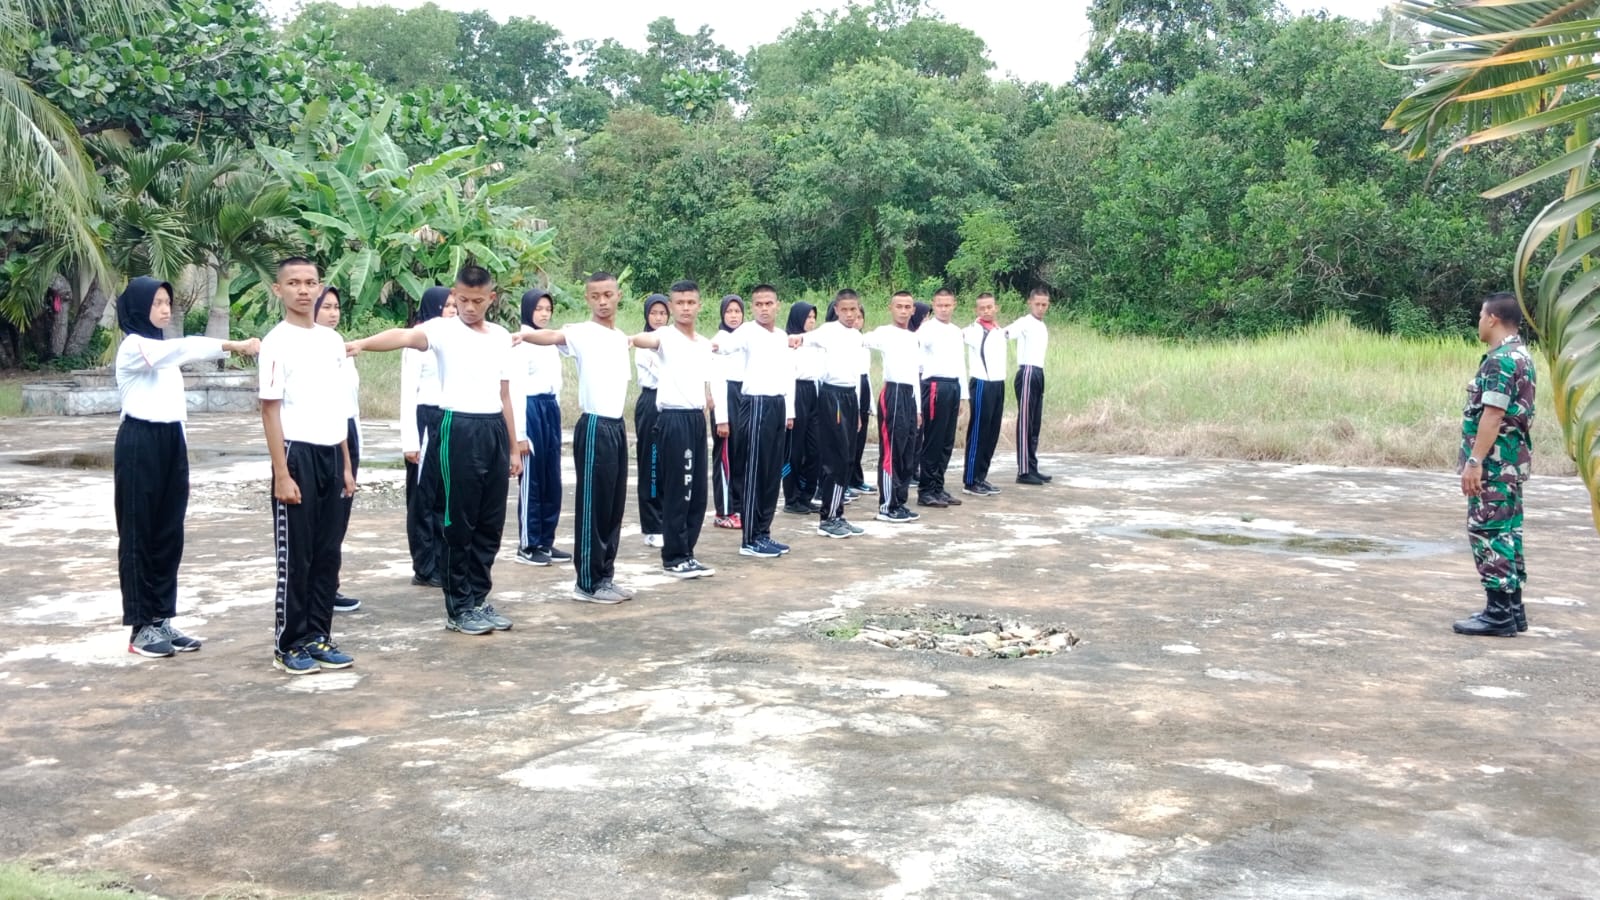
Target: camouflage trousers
{"type": "Point", "coordinates": [1494, 529]}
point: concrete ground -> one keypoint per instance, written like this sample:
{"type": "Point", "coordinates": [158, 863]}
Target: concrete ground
{"type": "Point", "coordinates": [1267, 701]}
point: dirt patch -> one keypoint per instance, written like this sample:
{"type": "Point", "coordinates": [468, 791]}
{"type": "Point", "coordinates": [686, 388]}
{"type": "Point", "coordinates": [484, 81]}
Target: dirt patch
{"type": "Point", "coordinates": [958, 634]}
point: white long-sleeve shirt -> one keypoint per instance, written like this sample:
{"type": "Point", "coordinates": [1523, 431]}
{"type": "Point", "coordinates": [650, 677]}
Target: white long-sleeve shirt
{"type": "Point", "coordinates": [148, 378]}
{"type": "Point", "coordinates": [647, 367]}
{"type": "Point", "coordinates": [768, 367]}
{"type": "Point", "coordinates": [419, 386]}
{"type": "Point", "coordinates": [986, 351]}
{"type": "Point", "coordinates": [839, 351]}
{"type": "Point", "coordinates": [535, 370]}
{"type": "Point", "coordinates": [943, 353]}
{"type": "Point", "coordinates": [1032, 337]}
{"type": "Point", "coordinates": [902, 355]}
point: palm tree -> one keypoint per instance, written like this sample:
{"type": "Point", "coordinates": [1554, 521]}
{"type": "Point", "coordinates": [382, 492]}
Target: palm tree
{"type": "Point", "coordinates": [44, 167]}
{"type": "Point", "coordinates": [1502, 68]}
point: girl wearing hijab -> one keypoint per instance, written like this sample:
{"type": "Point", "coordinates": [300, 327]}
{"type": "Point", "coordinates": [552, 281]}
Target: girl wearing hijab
{"type": "Point", "coordinates": [326, 312]}
{"type": "Point", "coordinates": [150, 465]}
{"type": "Point", "coordinates": [538, 424]}
{"type": "Point", "coordinates": [727, 447]}
{"type": "Point", "coordinates": [647, 363]}
{"type": "Point", "coordinates": [419, 424]}
{"type": "Point", "coordinates": [801, 469]}
{"type": "Point", "coordinates": [857, 479]}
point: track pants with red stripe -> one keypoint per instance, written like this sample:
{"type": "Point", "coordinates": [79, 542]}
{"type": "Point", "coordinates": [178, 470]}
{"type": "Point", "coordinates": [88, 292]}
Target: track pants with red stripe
{"type": "Point", "coordinates": [941, 405]}
{"type": "Point", "coordinates": [897, 444]}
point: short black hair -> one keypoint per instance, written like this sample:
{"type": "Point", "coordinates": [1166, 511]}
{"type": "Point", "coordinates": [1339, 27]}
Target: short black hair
{"type": "Point", "coordinates": [763, 288]}
{"type": "Point", "coordinates": [474, 276]}
{"type": "Point", "coordinates": [1039, 292]}
{"type": "Point", "coordinates": [985, 296]}
{"type": "Point", "coordinates": [679, 287]}
{"type": "Point", "coordinates": [598, 277]}
{"type": "Point", "coordinates": [1503, 305]}
{"type": "Point", "coordinates": [846, 294]}
{"type": "Point", "coordinates": [944, 292]}
{"type": "Point", "coordinates": [903, 294]}
{"type": "Point", "coordinates": [290, 261]}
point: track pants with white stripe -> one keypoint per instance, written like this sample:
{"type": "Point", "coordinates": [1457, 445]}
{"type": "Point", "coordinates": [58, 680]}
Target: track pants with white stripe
{"type": "Point", "coordinates": [727, 464]}
{"type": "Point", "coordinates": [680, 441]}
{"type": "Point", "coordinates": [539, 489]}
{"type": "Point", "coordinates": [837, 421]}
{"type": "Point", "coordinates": [983, 429]}
{"type": "Point", "coordinates": [897, 444]}
{"type": "Point", "coordinates": [941, 406]}
{"type": "Point", "coordinates": [1029, 385]}
{"type": "Point", "coordinates": [474, 465]}
{"type": "Point", "coordinates": [764, 448]}
{"type": "Point", "coordinates": [600, 457]}
{"type": "Point", "coordinates": [306, 537]}
{"type": "Point", "coordinates": [424, 515]}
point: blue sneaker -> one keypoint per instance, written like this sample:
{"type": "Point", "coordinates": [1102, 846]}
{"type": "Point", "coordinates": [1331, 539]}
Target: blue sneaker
{"type": "Point", "coordinates": [781, 548]}
{"type": "Point", "coordinates": [295, 661]}
{"type": "Point", "coordinates": [762, 549]}
{"type": "Point", "coordinates": [327, 655]}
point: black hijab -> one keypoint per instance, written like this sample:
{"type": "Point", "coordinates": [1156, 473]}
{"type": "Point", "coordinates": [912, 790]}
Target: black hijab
{"type": "Point", "coordinates": [530, 303]}
{"type": "Point", "coordinates": [650, 301]}
{"type": "Point", "coordinates": [919, 312]}
{"type": "Point", "coordinates": [431, 306]}
{"type": "Point", "coordinates": [798, 313]}
{"type": "Point", "coordinates": [833, 311]}
{"type": "Point", "coordinates": [722, 325]}
{"type": "Point", "coordinates": [316, 308]}
{"type": "Point", "coordinates": [133, 307]}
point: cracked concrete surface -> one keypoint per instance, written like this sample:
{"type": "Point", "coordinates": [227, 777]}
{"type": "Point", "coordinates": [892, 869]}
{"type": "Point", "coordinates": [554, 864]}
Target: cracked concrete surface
{"type": "Point", "coordinates": [1245, 717]}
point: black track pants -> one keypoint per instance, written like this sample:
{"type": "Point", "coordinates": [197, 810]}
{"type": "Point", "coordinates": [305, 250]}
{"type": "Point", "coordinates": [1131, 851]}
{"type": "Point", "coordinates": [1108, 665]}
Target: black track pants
{"type": "Point", "coordinates": [763, 470]}
{"type": "Point", "coordinates": [306, 536]}
{"type": "Point", "coordinates": [1029, 384]}
{"type": "Point", "coordinates": [600, 457]}
{"type": "Point", "coordinates": [150, 474]}
{"type": "Point", "coordinates": [941, 406]}
{"type": "Point", "coordinates": [983, 429]}
{"type": "Point", "coordinates": [644, 429]}
{"type": "Point", "coordinates": [800, 466]}
{"type": "Point", "coordinates": [837, 420]}
{"type": "Point", "coordinates": [680, 441]}
{"type": "Point", "coordinates": [424, 515]}
{"type": "Point", "coordinates": [474, 466]}
{"type": "Point", "coordinates": [727, 465]}
{"type": "Point", "coordinates": [897, 444]}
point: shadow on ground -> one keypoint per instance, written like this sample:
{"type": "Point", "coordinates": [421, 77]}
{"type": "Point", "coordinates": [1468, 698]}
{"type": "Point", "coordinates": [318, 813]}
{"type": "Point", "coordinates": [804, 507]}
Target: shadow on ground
{"type": "Point", "coordinates": [1266, 701]}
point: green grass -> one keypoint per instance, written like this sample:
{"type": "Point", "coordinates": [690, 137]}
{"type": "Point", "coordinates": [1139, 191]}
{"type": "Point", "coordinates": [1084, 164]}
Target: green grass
{"type": "Point", "coordinates": [11, 393]}
{"type": "Point", "coordinates": [22, 882]}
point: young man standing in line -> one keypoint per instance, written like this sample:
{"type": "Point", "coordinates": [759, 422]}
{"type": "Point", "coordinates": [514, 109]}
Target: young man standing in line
{"type": "Point", "coordinates": [769, 404]}
{"type": "Point", "coordinates": [599, 439]}
{"type": "Point", "coordinates": [838, 347]}
{"type": "Point", "coordinates": [685, 380]}
{"type": "Point", "coordinates": [1032, 337]}
{"type": "Point", "coordinates": [899, 408]}
{"type": "Point", "coordinates": [986, 359]}
{"type": "Point", "coordinates": [303, 414]}
{"type": "Point", "coordinates": [477, 456]}
{"type": "Point", "coordinates": [944, 389]}
{"type": "Point", "coordinates": [1496, 458]}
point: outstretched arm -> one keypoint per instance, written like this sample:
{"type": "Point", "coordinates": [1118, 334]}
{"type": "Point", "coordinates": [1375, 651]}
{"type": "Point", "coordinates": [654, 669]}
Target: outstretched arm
{"type": "Point", "coordinates": [646, 341]}
{"type": "Point", "coordinates": [393, 339]}
{"type": "Point", "coordinates": [543, 337]}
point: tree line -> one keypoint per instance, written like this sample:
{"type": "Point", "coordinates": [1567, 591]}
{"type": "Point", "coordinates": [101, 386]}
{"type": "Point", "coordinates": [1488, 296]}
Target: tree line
{"type": "Point", "coordinates": [1215, 168]}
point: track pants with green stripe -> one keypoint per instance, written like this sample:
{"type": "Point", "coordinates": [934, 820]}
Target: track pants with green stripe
{"type": "Point", "coordinates": [600, 459]}
{"type": "Point", "coordinates": [474, 464]}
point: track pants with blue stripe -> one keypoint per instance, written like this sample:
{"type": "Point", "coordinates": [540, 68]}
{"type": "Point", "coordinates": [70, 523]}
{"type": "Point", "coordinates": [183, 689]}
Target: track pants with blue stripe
{"type": "Point", "coordinates": [983, 429]}
{"type": "Point", "coordinates": [600, 458]}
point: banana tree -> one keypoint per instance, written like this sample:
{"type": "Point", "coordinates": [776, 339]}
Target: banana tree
{"type": "Point", "coordinates": [1497, 69]}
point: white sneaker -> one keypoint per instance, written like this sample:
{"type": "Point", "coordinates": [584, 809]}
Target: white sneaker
{"type": "Point", "coordinates": [653, 540]}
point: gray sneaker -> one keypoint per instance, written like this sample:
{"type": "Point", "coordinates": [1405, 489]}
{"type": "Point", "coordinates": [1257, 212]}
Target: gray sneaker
{"type": "Point", "coordinates": [617, 589]}
{"type": "Point", "coordinates": [854, 528]}
{"type": "Point", "coordinates": [151, 641]}
{"type": "Point", "coordinates": [469, 622]}
{"type": "Point", "coordinates": [180, 642]}
{"type": "Point", "coordinates": [487, 613]}
{"type": "Point", "coordinates": [834, 528]}
{"type": "Point", "coordinates": [602, 594]}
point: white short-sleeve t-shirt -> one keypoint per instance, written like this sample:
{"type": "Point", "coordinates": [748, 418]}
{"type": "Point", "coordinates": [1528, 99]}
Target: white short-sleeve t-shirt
{"type": "Point", "coordinates": [603, 367]}
{"type": "Point", "coordinates": [471, 363]}
{"type": "Point", "coordinates": [304, 368]}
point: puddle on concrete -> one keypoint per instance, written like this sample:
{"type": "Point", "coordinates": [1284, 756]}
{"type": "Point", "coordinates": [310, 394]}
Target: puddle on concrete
{"type": "Point", "coordinates": [1327, 544]}
{"type": "Point", "coordinates": [101, 457]}
{"type": "Point", "coordinates": [958, 634]}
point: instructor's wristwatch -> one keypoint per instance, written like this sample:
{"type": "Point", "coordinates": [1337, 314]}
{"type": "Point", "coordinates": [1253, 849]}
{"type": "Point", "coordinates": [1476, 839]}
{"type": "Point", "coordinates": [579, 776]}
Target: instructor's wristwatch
{"type": "Point", "coordinates": [1472, 461]}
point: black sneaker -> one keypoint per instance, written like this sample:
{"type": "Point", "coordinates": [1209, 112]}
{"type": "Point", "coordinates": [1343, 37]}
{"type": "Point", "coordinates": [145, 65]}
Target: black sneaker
{"type": "Point", "coordinates": [897, 515]}
{"type": "Point", "coordinates": [341, 603]}
{"type": "Point", "coordinates": [557, 555]}
{"type": "Point", "coordinates": [1045, 478]}
{"type": "Point", "coordinates": [988, 488]}
{"type": "Point", "coordinates": [533, 556]}
{"type": "Point", "coordinates": [326, 654]}
{"type": "Point", "coordinates": [759, 549]}
{"type": "Point", "coordinates": [429, 581]}
{"type": "Point", "coordinates": [948, 500]}
{"type": "Point", "coordinates": [180, 642]}
{"type": "Point", "coordinates": [700, 568]}
{"type": "Point", "coordinates": [295, 661]}
{"type": "Point", "coordinates": [487, 613]}
{"type": "Point", "coordinates": [1030, 478]}
{"type": "Point", "coordinates": [933, 500]}
{"type": "Point", "coordinates": [151, 641]}
{"type": "Point", "coordinates": [864, 488]}
{"type": "Point", "coordinates": [469, 622]}
{"type": "Point", "coordinates": [686, 569]}
{"type": "Point", "coordinates": [973, 489]}
{"type": "Point", "coordinates": [798, 508]}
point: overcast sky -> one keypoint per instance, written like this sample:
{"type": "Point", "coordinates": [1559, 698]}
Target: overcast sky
{"type": "Point", "coordinates": [1034, 40]}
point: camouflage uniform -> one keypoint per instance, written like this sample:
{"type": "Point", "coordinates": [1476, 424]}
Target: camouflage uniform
{"type": "Point", "coordinates": [1505, 380]}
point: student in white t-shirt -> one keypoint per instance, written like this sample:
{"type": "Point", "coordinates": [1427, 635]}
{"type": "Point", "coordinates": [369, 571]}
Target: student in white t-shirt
{"type": "Point", "coordinates": [1033, 338]}
{"type": "Point", "coordinates": [150, 465]}
{"type": "Point", "coordinates": [477, 442]}
{"type": "Point", "coordinates": [599, 439]}
{"type": "Point", "coordinates": [305, 415]}
{"type": "Point", "coordinates": [327, 311]}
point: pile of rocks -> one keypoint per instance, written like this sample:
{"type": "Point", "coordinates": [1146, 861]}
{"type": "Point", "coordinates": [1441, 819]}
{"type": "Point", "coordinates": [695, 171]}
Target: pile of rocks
{"type": "Point", "coordinates": [961, 634]}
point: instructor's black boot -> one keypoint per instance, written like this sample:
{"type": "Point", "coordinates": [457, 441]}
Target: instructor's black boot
{"type": "Point", "coordinates": [1518, 612]}
{"type": "Point", "coordinates": [1496, 620]}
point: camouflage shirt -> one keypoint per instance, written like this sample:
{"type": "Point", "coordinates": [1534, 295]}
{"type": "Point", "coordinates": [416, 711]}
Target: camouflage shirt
{"type": "Point", "coordinates": [1505, 380]}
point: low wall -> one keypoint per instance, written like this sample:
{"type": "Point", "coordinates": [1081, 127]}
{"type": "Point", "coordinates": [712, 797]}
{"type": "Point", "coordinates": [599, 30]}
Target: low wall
{"type": "Point", "coordinates": [94, 392]}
